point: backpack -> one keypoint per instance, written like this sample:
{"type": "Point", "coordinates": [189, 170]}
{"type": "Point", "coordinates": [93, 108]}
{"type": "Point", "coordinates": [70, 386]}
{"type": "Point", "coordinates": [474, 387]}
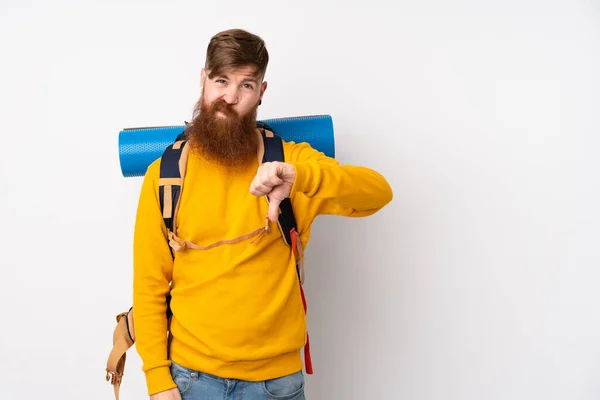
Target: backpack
{"type": "Point", "coordinates": [172, 174]}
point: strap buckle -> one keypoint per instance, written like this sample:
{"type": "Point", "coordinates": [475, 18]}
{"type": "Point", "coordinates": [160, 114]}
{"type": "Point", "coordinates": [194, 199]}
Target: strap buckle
{"type": "Point", "coordinates": [115, 378]}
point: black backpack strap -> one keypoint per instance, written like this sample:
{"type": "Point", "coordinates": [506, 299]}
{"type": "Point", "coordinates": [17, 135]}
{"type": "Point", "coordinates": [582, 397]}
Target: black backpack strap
{"type": "Point", "coordinates": [169, 189]}
{"type": "Point", "coordinates": [273, 145]}
{"type": "Point", "coordinates": [170, 180]}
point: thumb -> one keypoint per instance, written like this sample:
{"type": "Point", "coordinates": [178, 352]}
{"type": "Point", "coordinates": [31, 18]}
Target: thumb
{"type": "Point", "coordinates": [274, 208]}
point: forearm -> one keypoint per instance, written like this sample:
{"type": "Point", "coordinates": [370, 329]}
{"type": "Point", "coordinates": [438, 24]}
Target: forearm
{"type": "Point", "coordinates": [151, 341]}
{"type": "Point", "coordinates": [343, 189]}
{"type": "Point", "coordinates": [152, 273]}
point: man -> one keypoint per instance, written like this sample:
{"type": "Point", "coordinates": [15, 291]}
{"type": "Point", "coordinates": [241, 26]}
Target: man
{"type": "Point", "coordinates": [238, 321]}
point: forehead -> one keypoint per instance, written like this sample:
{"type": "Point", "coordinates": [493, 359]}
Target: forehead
{"type": "Point", "coordinates": [247, 72]}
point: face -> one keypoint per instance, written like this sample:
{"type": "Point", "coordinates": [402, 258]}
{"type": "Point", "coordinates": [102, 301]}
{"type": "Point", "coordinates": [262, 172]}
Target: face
{"type": "Point", "coordinates": [239, 88]}
{"type": "Point", "coordinates": [224, 126]}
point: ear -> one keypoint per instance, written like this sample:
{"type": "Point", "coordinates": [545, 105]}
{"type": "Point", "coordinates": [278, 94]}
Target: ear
{"type": "Point", "coordinates": [263, 89]}
{"type": "Point", "coordinates": [202, 77]}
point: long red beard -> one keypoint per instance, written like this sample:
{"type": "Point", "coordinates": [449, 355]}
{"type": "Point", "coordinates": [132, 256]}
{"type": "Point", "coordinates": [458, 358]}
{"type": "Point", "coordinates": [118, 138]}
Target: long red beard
{"type": "Point", "coordinates": [230, 141]}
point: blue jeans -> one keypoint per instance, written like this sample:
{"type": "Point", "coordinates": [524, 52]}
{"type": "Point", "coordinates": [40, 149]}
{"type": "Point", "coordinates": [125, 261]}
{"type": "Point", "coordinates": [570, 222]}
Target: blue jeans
{"type": "Point", "coordinates": [195, 385]}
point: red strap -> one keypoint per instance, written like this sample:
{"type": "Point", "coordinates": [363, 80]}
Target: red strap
{"type": "Point", "coordinates": [303, 298]}
{"type": "Point", "coordinates": [294, 243]}
{"type": "Point", "coordinates": [307, 357]}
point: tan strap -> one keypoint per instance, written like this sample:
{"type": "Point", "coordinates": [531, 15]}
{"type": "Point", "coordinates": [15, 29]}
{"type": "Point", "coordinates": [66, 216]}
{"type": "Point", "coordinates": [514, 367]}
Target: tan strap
{"type": "Point", "coordinates": [260, 151]}
{"type": "Point", "coordinates": [268, 133]}
{"type": "Point", "coordinates": [299, 255]}
{"type": "Point", "coordinates": [178, 244]}
{"type": "Point", "coordinates": [116, 360]}
{"type": "Point", "coordinates": [182, 170]}
{"type": "Point", "coordinates": [168, 208]}
{"type": "Point", "coordinates": [170, 181]}
{"type": "Point", "coordinates": [121, 342]}
{"type": "Point", "coordinates": [261, 144]}
{"type": "Point", "coordinates": [130, 326]}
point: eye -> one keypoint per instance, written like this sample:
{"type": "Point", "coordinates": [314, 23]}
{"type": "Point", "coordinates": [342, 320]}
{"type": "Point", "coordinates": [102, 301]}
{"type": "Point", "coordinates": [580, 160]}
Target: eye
{"type": "Point", "coordinates": [248, 86]}
{"type": "Point", "coordinates": [220, 81]}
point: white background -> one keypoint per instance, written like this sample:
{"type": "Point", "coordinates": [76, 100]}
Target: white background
{"type": "Point", "coordinates": [479, 281]}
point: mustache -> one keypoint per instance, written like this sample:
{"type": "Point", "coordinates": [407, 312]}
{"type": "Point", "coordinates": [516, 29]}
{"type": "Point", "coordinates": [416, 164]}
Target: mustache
{"type": "Point", "coordinates": [224, 107]}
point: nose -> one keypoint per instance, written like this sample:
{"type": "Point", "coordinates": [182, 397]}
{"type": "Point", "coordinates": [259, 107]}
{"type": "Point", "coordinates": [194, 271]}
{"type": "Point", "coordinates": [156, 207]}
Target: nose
{"type": "Point", "coordinates": [231, 96]}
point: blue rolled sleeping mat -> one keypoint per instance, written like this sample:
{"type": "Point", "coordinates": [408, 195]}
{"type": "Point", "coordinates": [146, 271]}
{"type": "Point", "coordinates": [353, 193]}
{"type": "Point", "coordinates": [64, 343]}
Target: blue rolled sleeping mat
{"type": "Point", "coordinates": [139, 147]}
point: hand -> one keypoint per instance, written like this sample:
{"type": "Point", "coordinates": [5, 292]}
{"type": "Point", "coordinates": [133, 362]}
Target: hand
{"type": "Point", "coordinates": [274, 179]}
{"type": "Point", "coordinates": [171, 394]}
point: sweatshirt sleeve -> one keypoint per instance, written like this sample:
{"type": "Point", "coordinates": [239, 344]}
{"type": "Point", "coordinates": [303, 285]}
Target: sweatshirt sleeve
{"type": "Point", "coordinates": [345, 190]}
{"type": "Point", "coordinates": [152, 271]}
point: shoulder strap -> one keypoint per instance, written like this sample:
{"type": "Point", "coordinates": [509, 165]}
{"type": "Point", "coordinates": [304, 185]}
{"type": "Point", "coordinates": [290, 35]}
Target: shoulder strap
{"type": "Point", "coordinates": [273, 145]}
{"type": "Point", "coordinates": [123, 339]}
{"type": "Point", "coordinates": [171, 180]}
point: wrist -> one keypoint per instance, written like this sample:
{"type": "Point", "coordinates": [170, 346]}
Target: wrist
{"type": "Point", "coordinates": [302, 177]}
{"type": "Point", "coordinates": [159, 380]}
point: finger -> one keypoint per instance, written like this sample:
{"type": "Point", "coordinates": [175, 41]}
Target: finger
{"type": "Point", "coordinates": [266, 180]}
{"type": "Point", "coordinates": [257, 189]}
{"type": "Point", "coordinates": [269, 176]}
{"type": "Point", "coordinates": [274, 209]}
{"type": "Point", "coordinates": [256, 192]}
{"type": "Point", "coordinates": [261, 187]}
{"type": "Point", "coordinates": [271, 181]}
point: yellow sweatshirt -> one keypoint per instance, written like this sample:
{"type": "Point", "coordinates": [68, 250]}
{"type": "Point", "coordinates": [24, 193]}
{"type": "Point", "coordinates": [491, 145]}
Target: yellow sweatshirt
{"type": "Point", "coordinates": [237, 309]}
